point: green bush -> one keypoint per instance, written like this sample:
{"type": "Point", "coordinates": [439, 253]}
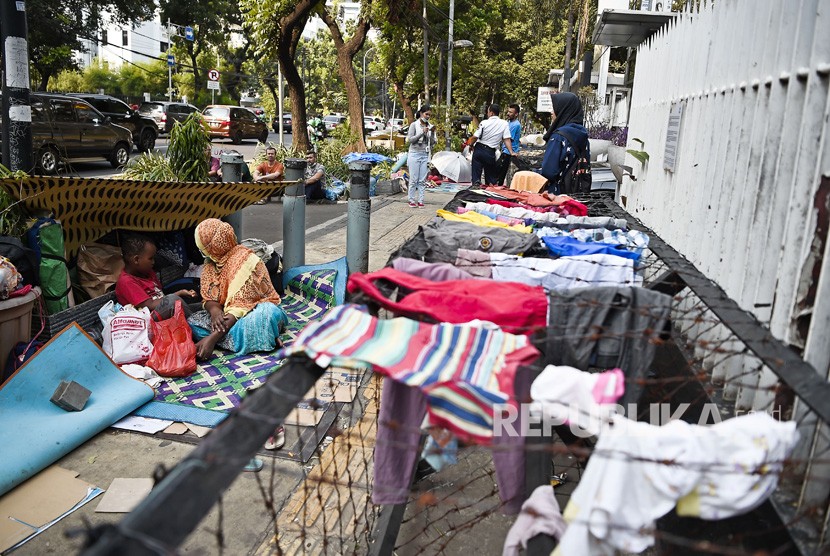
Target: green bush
{"type": "Point", "coordinates": [12, 215]}
{"type": "Point", "coordinates": [150, 166]}
{"type": "Point", "coordinates": [189, 140]}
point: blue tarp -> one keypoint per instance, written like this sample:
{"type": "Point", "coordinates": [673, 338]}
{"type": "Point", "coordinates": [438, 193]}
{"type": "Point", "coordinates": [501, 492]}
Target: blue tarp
{"type": "Point", "coordinates": [371, 158]}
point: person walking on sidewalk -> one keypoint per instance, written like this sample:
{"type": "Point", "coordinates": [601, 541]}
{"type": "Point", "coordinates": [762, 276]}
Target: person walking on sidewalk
{"type": "Point", "coordinates": [485, 142]}
{"type": "Point", "coordinates": [515, 129]}
{"type": "Point", "coordinates": [421, 139]}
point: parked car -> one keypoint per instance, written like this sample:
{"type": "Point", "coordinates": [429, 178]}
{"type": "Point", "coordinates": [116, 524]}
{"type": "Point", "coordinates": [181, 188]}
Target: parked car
{"type": "Point", "coordinates": [165, 113]}
{"type": "Point", "coordinates": [286, 123]}
{"type": "Point", "coordinates": [144, 129]}
{"type": "Point", "coordinates": [66, 128]}
{"type": "Point", "coordinates": [333, 120]}
{"type": "Point", "coordinates": [371, 123]}
{"type": "Point", "coordinates": [234, 122]}
{"type": "Point", "coordinates": [396, 124]}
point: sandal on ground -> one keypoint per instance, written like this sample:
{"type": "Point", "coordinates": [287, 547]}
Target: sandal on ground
{"type": "Point", "coordinates": [276, 440]}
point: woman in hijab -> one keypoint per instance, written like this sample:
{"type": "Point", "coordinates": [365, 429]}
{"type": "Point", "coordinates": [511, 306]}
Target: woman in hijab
{"type": "Point", "coordinates": [566, 139]}
{"type": "Point", "coordinates": [242, 312]}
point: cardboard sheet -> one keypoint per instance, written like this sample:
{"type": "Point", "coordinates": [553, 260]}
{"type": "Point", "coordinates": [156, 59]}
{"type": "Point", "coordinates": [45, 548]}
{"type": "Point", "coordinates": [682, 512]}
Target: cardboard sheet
{"type": "Point", "coordinates": [41, 501]}
{"type": "Point", "coordinates": [124, 495]}
{"type": "Point", "coordinates": [307, 413]}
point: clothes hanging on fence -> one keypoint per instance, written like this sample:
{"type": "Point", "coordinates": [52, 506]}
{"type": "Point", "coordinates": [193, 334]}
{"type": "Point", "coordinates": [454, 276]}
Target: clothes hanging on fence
{"type": "Point", "coordinates": [514, 204]}
{"type": "Point", "coordinates": [397, 446]}
{"type": "Point", "coordinates": [437, 272]}
{"type": "Point", "coordinates": [633, 240]}
{"type": "Point", "coordinates": [516, 308]}
{"type": "Point", "coordinates": [481, 220]}
{"type": "Point", "coordinates": [579, 222]}
{"type": "Point", "coordinates": [464, 369]}
{"type": "Point", "coordinates": [583, 401]}
{"type": "Point", "coordinates": [638, 472]}
{"type": "Point", "coordinates": [607, 328]}
{"type": "Point", "coordinates": [571, 247]}
{"type": "Point", "coordinates": [518, 212]}
{"type": "Point", "coordinates": [553, 275]}
{"type": "Point", "coordinates": [540, 515]}
{"type": "Point", "coordinates": [444, 238]}
{"type": "Point", "coordinates": [528, 198]}
{"type": "Point", "coordinates": [509, 220]}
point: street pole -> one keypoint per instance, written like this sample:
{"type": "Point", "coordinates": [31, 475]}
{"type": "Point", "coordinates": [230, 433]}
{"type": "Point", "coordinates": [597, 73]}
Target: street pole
{"type": "Point", "coordinates": [15, 109]}
{"type": "Point", "coordinates": [293, 215]}
{"type": "Point", "coordinates": [426, 55]}
{"type": "Point", "coordinates": [449, 78]}
{"type": "Point", "coordinates": [358, 219]}
{"type": "Point", "coordinates": [169, 67]}
{"type": "Point", "coordinates": [364, 77]}
{"type": "Point", "coordinates": [279, 101]}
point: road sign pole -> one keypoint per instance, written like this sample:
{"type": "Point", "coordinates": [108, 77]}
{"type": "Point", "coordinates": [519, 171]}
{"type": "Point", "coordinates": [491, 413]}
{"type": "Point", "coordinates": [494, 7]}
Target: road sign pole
{"type": "Point", "coordinates": [16, 111]}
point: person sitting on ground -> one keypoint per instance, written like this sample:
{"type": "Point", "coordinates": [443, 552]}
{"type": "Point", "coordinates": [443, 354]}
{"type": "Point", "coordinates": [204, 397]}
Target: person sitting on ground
{"type": "Point", "coordinates": [214, 167]}
{"type": "Point", "coordinates": [241, 307]}
{"type": "Point", "coordinates": [270, 170]}
{"type": "Point", "coordinates": [315, 177]}
{"type": "Point", "coordinates": [139, 285]}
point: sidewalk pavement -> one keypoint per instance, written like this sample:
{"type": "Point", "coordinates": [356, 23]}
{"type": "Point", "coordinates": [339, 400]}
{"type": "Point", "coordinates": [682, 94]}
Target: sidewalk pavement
{"type": "Point", "coordinates": [246, 523]}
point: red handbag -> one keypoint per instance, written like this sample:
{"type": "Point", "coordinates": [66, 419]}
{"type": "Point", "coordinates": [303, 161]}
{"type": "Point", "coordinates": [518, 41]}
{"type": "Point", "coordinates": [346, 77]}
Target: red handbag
{"type": "Point", "coordinates": [174, 353]}
{"type": "Point", "coordinates": [516, 308]}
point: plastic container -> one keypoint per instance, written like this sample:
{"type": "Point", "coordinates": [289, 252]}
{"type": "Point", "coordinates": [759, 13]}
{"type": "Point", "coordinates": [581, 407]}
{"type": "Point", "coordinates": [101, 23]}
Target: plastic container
{"type": "Point", "coordinates": [16, 321]}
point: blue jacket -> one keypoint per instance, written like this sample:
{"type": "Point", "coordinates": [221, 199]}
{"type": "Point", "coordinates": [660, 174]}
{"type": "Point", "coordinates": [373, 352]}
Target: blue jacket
{"type": "Point", "coordinates": [559, 153]}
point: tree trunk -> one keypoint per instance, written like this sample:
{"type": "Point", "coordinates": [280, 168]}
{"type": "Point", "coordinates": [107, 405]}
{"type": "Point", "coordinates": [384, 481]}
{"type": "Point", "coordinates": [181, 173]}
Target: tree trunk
{"type": "Point", "coordinates": [566, 77]}
{"type": "Point", "coordinates": [406, 102]}
{"type": "Point", "coordinates": [346, 51]}
{"type": "Point", "coordinates": [45, 75]}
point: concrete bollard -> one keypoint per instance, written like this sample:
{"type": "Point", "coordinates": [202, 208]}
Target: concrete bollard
{"type": "Point", "coordinates": [232, 172]}
{"type": "Point", "coordinates": [293, 215]}
{"type": "Point", "coordinates": [357, 227]}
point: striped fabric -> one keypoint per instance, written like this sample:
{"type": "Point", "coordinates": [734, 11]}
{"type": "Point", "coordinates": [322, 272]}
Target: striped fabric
{"type": "Point", "coordinates": [464, 369]}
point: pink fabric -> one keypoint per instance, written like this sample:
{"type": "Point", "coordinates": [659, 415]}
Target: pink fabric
{"type": "Point", "coordinates": [511, 204]}
{"type": "Point", "coordinates": [540, 515]}
{"type": "Point", "coordinates": [610, 386]}
{"type": "Point", "coordinates": [499, 217]}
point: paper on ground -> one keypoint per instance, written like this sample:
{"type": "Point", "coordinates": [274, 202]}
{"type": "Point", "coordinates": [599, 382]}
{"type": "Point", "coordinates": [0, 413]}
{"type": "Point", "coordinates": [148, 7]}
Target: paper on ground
{"type": "Point", "coordinates": [124, 495]}
{"type": "Point", "coordinates": [142, 424]}
{"type": "Point", "coordinates": [38, 503]}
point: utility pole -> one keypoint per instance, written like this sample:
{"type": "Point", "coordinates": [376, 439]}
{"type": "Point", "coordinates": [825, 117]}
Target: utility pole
{"type": "Point", "coordinates": [15, 110]}
{"type": "Point", "coordinates": [169, 67]}
{"type": "Point", "coordinates": [449, 77]}
{"type": "Point", "coordinates": [426, 55]}
{"type": "Point", "coordinates": [279, 101]}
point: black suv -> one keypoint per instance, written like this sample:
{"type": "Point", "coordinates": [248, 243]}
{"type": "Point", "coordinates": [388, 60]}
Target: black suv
{"type": "Point", "coordinates": [165, 113]}
{"type": "Point", "coordinates": [65, 127]}
{"type": "Point", "coordinates": [144, 129]}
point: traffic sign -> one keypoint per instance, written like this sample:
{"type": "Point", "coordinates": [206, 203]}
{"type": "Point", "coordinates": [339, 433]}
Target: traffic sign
{"type": "Point", "coordinates": [171, 60]}
{"type": "Point", "coordinates": [188, 33]}
{"type": "Point", "coordinates": [213, 85]}
{"type": "Point", "coordinates": [213, 75]}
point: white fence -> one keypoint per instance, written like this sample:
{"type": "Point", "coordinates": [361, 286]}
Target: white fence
{"type": "Point", "coordinates": [748, 198]}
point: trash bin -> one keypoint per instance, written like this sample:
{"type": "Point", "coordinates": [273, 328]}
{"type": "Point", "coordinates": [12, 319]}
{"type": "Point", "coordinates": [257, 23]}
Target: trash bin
{"type": "Point", "coordinates": [16, 321]}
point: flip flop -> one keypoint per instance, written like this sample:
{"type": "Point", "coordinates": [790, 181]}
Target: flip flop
{"type": "Point", "coordinates": [276, 440]}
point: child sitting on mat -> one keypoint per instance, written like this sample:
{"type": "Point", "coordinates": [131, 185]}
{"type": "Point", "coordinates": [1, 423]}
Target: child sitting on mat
{"type": "Point", "coordinates": [139, 285]}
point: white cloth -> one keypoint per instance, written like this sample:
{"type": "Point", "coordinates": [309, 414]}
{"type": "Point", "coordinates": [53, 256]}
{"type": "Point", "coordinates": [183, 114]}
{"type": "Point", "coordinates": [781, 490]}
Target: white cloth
{"type": "Point", "coordinates": [492, 132]}
{"type": "Point", "coordinates": [552, 274]}
{"type": "Point", "coordinates": [517, 212]}
{"type": "Point", "coordinates": [584, 401]}
{"type": "Point", "coordinates": [540, 515]}
{"type": "Point", "coordinates": [141, 372]}
{"type": "Point", "coordinates": [638, 472]}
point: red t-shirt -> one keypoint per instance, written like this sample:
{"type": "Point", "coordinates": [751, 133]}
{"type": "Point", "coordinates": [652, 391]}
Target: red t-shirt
{"type": "Point", "coordinates": [132, 290]}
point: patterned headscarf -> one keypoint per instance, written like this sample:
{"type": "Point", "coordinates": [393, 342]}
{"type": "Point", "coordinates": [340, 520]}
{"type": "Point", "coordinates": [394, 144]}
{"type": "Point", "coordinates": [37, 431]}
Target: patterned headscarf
{"type": "Point", "coordinates": [233, 275]}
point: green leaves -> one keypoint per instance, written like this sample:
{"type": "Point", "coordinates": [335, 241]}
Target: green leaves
{"type": "Point", "coordinates": [640, 155]}
{"type": "Point", "coordinates": [188, 142]}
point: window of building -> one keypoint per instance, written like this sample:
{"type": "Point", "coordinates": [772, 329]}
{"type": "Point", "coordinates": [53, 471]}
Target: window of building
{"type": "Point", "coordinates": [125, 38]}
{"type": "Point", "coordinates": [104, 37]}
{"type": "Point", "coordinates": [163, 46]}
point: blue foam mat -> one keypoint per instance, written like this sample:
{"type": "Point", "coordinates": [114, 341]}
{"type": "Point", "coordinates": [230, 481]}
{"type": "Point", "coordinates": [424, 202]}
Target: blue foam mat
{"type": "Point", "coordinates": [185, 414]}
{"type": "Point", "coordinates": [34, 432]}
{"type": "Point", "coordinates": [340, 265]}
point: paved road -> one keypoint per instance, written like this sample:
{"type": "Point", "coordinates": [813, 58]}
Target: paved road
{"type": "Point", "coordinates": [102, 168]}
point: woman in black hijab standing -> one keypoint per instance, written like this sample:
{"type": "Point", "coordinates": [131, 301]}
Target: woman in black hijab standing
{"type": "Point", "coordinates": [567, 139]}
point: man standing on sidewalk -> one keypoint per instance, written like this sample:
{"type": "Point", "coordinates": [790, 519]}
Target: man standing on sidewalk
{"type": "Point", "coordinates": [486, 141]}
{"type": "Point", "coordinates": [515, 134]}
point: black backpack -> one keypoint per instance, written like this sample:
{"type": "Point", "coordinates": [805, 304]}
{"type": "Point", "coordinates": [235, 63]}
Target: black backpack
{"type": "Point", "coordinates": [25, 260]}
{"type": "Point", "coordinates": [577, 177]}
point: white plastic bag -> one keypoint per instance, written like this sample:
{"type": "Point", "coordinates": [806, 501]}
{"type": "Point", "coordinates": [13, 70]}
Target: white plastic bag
{"type": "Point", "coordinates": [109, 310]}
{"type": "Point", "coordinates": [127, 335]}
